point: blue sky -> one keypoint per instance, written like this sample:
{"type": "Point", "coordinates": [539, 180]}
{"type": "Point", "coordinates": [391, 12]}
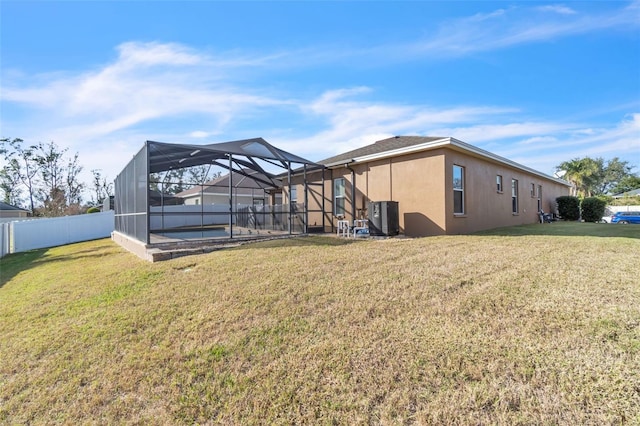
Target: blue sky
{"type": "Point", "coordinates": [536, 82]}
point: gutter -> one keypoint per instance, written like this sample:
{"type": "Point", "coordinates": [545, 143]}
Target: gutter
{"type": "Point", "coordinates": [454, 144]}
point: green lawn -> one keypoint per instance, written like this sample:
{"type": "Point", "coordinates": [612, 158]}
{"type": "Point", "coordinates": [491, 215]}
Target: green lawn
{"type": "Point", "coordinates": [536, 325]}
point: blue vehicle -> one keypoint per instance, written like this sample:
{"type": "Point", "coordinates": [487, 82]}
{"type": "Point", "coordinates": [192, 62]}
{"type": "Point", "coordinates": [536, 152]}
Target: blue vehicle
{"type": "Point", "coordinates": [625, 217]}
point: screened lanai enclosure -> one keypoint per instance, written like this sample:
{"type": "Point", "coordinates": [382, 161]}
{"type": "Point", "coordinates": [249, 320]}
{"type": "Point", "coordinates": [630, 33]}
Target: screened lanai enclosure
{"type": "Point", "coordinates": [223, 190]}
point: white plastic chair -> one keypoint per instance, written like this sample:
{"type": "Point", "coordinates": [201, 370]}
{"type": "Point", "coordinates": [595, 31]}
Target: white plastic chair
{"type": "Point", "coordinates": [343, 228]}
{"type": "Point", "coordinates": [360, 225]}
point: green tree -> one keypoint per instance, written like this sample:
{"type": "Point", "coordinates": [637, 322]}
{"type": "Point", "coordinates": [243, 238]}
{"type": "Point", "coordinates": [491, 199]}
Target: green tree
{"type": "Point", "coordinates": [198, 174]}
{"type": "Point", "coordinates": [101, 186]}
{"type": "Point", "coordinates": [10, 186]}
{"type": "Point", "coordinates": [21, 168]}
{"type": "Point", "coordinates": [594, 176]}
{"type": "Point", "coordinates": [626, 184]}
{"type": "Point", "coordinates": [74, 186]}
{"type": "Point", "coordinates": [53, 191]}
{"type": "Point", "coordinates": [583, 174]}
{"type": "Point", "coordinates": [614, 171]}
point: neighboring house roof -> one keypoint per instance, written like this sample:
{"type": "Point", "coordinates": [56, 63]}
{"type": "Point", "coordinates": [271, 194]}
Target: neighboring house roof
{"type": "Point", "coordinates": [243, 185]}
{"type": "Point", "coordinates": [632, 193]}
{"type": "Point", "coordinates": [401, 145]}
{"type": "Point", "coordinates": [5, 206]}
{"type": "Point", "coordinates": [157, 198]}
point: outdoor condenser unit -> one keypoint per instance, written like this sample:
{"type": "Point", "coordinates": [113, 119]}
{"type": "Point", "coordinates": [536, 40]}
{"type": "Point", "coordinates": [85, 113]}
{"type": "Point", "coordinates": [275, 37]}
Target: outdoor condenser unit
{"type": "Point", "coordinates": [383, 218]}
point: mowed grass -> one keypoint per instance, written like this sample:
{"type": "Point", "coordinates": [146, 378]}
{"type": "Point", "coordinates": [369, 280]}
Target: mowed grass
{"type": "Point", "coordinates": [507, 327]}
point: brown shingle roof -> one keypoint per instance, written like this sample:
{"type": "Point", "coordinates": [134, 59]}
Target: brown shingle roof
{"type": "Point", "coordinates": [242, 184]}
{"type": "Point", "coordinates": [5, 206]}
{"type": "Point", "coordinates": [396, 142]}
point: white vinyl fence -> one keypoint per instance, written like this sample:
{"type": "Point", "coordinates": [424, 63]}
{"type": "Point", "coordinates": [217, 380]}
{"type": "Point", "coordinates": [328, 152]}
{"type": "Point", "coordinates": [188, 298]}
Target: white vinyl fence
{"type": "Point", "coordinates": [19, 236]}
{"type": "Point", "coordinates": [4, 239]}
{"type": "Point", "coordinates": [614, 209]}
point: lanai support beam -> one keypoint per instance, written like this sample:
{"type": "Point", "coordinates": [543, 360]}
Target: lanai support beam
{"type": "Point", "coordinates": [290, 201]}
{"type": "Point", "coordinates": [230, 196]}
{"type": "Point", "coordinates": [306, 201]}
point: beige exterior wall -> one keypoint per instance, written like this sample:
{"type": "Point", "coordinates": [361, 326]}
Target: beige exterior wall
{"type": "Point", "coordinates": [13, 213]}
{"type": "Point", "coordinates": [485, 207]}
{"type": "Point", "coordinates": [314, 196]}
{"type": "Point", "coordinates": [422, 184]}
{"type": "Point", "coordinates": [414, 180]}
{"type": "Point", "coordinates": [418, 187]}
{"type": "Point", "coordinates": [219, 199]}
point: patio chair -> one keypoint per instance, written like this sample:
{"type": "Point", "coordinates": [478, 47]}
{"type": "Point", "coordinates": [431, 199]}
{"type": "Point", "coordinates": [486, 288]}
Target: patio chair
{"type": "Point", "coordinates": [360, 228]}
{"type": "Point", "coordinates": [343, 229]}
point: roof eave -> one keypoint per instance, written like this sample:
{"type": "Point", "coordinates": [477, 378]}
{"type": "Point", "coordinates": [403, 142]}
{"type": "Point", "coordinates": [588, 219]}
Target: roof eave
{"type": "Point", "coordinates": [450, 142]}
{"type": "Point", "coordinates": [501, 160]}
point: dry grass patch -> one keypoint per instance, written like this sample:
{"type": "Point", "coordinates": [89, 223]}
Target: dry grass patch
{"type": "Point", "coordinates": [484, 329]}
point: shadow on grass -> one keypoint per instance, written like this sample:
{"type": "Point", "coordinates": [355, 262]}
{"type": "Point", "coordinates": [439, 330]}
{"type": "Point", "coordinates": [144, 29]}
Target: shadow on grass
{"type": "Point", "coordinates": [301, 241]}
{"type": "Point", "coordinates": [567, 229]}
{"type": "Point", "coordinates": [14, 263]}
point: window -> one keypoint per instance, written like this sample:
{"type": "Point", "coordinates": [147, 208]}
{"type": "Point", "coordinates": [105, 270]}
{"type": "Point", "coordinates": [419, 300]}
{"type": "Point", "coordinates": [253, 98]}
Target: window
{"type": "Point", "coordinates": [514, 196]}
{"type": "Point", "coordinates": [458, 190]}
{"type": "Point", "coordinates": [499, 183]}
{"type": "Point", "coordinates": [533, 190]}
{"type": "Point", "coordinates": [539, 198]}
{"type": "Point", "coordinates": [294, 194]}
{"type": "Point", "coordinates": [197, 201]}
{"type": "Point", "coordinates": [339, 196]}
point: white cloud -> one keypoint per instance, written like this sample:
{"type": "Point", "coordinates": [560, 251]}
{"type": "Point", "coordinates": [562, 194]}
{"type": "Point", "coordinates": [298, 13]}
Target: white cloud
{"type": "Point", "coordinates": [517, 25]}
{"type": "Point", "coordinates": [557, 8]}
{"type": "Point", "coordinates": [539, 144]}
{"type": "Point", "coordinates": [103, 112]}
{"type": "Point", "coordinates": [147, 81]}
{"type": "Point", "coordinates": [493, 132]}
{"type": "Point", "coordinates": [620, 140]}
{"type": "Point", "coordinates": [199, 134]}
{"type": "Point", "coordinates": [349, 122]}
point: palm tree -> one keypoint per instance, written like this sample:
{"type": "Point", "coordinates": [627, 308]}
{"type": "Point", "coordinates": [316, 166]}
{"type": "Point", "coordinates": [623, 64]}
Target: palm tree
{"type": "Point", "coordinates": [584, 174]}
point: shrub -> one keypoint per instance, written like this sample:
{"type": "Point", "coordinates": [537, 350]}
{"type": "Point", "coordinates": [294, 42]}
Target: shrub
{"type": "Point", "coordinates": [568, 207]}
{"type": "Point", "coordinates": [93, 210]}
{"type": "Point", "coordinates": [626, 201]}
{"type": "Point", "coordinates": [593, 209]}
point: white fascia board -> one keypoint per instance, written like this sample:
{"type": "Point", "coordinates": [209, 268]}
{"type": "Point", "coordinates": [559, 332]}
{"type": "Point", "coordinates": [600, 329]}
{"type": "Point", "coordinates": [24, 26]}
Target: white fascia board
{"type": "Point", "coordinates": [496, 158]}
{"type": "Point", "coordinates": [454, 143]}
{"type": "Point", "coordinates": [392, 153]}
{"type": "Point", "coordinates": [406, 150]}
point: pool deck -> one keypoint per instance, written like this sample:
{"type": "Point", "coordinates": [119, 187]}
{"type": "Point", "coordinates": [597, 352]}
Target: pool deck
{"type": "Point", "coordinates": [165, 248]}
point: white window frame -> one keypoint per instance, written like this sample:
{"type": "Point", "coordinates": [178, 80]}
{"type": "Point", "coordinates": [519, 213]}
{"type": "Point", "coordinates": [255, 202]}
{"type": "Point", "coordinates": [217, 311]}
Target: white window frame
{"type": "Point", "coordinates": [458, 189]}
{"type": "Point", "coordinates": [539, 194]}
{"type": "Point", "coordinates": [515, 208]}
{"type": "Point", "coordinates": [293, 196]}
{"type": "Point", "coordinates": [340, 193]}
{"type": "Point", "coordinates": [499, 187]}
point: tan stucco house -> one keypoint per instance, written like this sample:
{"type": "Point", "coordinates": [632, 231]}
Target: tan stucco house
{"type": "Point", "coordinates": [442, 186]}
{"type": "Point", "coordinates": [11, 211]}
{"type": "Point", "coordinates": [246, 191]}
